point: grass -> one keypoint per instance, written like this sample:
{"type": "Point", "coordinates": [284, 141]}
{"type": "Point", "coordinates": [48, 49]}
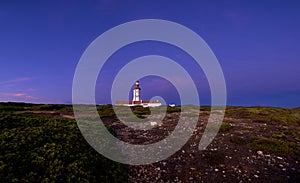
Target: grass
{"type": "Point", "coordinates": [279, 134]}
{"type": "Point", "coordinates": [273, 145]}
{"type": "Point", "coordinates": [173, 109]}
{"type": "Point", "coordinates": [140, 111]}
{"type": "Point", "coordinates": [265, 114]}
{"type": "Point", "coordinates": [105, 110]}
{"type": "Point", "coordinates": [224, 127]}
{"type": "Point", "coordinates": [10, 106]}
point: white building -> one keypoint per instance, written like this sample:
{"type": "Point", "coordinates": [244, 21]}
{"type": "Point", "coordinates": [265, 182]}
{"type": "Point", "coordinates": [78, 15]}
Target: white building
{"type": "Point", "coordinates": [136, 101]}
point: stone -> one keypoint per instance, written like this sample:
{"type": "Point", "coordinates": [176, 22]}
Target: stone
{"type": "Point", "coordinates": [153, 123]}
{"type": "Point", "coordinates": [260, 153]}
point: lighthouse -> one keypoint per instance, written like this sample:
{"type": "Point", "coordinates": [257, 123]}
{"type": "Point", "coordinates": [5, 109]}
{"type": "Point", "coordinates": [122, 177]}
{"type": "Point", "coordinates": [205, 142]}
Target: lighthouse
{"type": "Point", "coordinates": [136, 92]}
{"type": "Point", "coordinates": [136, 101]}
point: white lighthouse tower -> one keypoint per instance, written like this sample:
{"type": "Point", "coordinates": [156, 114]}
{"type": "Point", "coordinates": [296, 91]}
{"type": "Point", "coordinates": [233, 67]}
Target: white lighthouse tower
{"type": "Point", "coordinates": [136, 101]}
{"type": "Point", "coordinates": [136, 92]}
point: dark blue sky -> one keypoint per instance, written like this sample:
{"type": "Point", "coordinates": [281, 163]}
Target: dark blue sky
{"type": "Point", "coordinates": [256, 43]}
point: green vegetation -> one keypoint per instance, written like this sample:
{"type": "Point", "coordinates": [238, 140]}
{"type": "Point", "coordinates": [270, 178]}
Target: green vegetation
{"type": "Point", "coordinates": [295, 133]}
{"type": "Point", "coordinates": [36, 148]}
{"type": "Point", "coordinates": [272, 145]}
{"type": "Point", "coordinates": [224, 127]}
{"type": "Point", "coordinates": [38, 145]}
{"type": "Point", "coordinates": [51, 107]}
{"type": "Point", "coordinates": [106, 110]}
{"type": "Point", "coordinates": [205, 108]}
{"type": "Point", "coordinates": [10, 106]}
{"type": "Point", "coordinates": [291, 134]}
{"type": "Point", "coordinates": [173, 109]}
{"type": "Point", "coordinates": [265, 114]}
{"type": "Point", "coordinates": [278, 135]}
{"type": "Point", "coordinates": [140, 111]}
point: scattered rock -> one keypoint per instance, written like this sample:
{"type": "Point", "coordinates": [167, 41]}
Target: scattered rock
{"type": "Point", "coordinates": [152, 123]}
{"type": "Point", "coordinates": [222, 161]}
{"type": "Point", "coordinates": [278, 157]}
{"type": "Point", "coordinates": [260, 153]}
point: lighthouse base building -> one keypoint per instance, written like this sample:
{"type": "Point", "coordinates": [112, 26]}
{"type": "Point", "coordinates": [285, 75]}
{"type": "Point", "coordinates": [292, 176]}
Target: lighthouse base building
{"type": "Point", "coordinates": [136, 101]}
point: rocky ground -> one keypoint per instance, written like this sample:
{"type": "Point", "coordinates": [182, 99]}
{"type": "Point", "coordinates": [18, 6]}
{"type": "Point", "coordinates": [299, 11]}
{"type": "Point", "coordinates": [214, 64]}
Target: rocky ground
{"type": "Point", "coordinates": [254, 144]}
{"type": "Point", "coordinates": [257, 148]}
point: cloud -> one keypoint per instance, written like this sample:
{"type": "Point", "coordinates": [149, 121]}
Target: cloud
{"type": "Point", "coordinates": [18, 95]}
{"type": "Point", "coordinates": [21, 95]}
{"type": "Point", "coordinates": [15, 80]}
{"type": "Point", "coordinates": [9, 91]}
